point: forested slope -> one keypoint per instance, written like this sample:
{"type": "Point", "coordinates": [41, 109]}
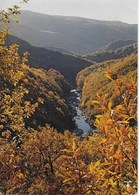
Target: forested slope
{"type": "Point", "coordinates": [68, 65]}
{"type": "Point", "coordinates": [53, 89]}
{"type": "Point", "coordinates": [49, 86]}
{"type": "Point", "coordinates": [41, 160]}
{"type": "Point", "coordinates": [92, 80]}
{"type": "Point", "coordinates": [117, 44]}
{"type": "Point", "coordinates": [104, 55]}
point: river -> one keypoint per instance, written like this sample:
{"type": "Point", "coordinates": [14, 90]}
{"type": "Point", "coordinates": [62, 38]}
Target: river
{"type": "Point", "coordinates": [79, 116]}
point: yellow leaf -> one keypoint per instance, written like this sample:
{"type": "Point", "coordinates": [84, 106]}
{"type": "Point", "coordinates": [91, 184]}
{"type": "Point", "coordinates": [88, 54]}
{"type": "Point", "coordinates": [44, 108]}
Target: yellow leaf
{"type": "Point", "coordinates": [66, 150]}
{"type": "Point", "coordinates": [1, 126]}
{"type": "Point", "coordinates": [67, 157]}
{"type": "Point", "coordinates": [111, 180]}
{"type": "Point", "coordinates": [99, 116]}
{"type": "Point", "coordinates": [15, 83]}
{"type": "Point", "coordinates": [125, 101]}
{"type": "Point", "coordinates": [119, 107]}
{"type": "Point", "coordinates": [98, 96]}
{"type": "Point", "coordinates": [111, 148]}
{"type": "Point", "coordinates": [123, 122]}
{"type": "Point", "coordinates": [108, 76]}
{"type": "Point", "coordinates": [11, 159]}
{"type": "Point", "coordinates": [103, 139]}
{"type": "Point", "coordinates": [105, 164]}
{"type": "Point", "coordinates": [20, 175]}
{"type": "Point", "coordinates": [97, 163]}
{"type": "Point", "coordinates": [97, 122]}
{"type": "Point", "coordinates": [95, 102]}
{"type": "Point", "coordinates": [91, 168]}
{"type": "Point", "coordinates": [112, 173]}
{"type": "Point", "coordinates": [67, 180]}
{"type": "Point", "coordinates": [26, 91]}
{"type": "Point", "coordinates": [73, 145]}
{"type": "Point", "coordinates": [129, 135]}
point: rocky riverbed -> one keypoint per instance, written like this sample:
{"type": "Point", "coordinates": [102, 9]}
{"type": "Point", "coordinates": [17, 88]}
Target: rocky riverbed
{"type": "Point", "coordinates": [79, 116]}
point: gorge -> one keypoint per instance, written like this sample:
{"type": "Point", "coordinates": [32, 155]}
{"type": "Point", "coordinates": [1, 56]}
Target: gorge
{"type": "Point", "coordinates": [52, 100]}
{"type": "Point", "coordinates": [79, 115]}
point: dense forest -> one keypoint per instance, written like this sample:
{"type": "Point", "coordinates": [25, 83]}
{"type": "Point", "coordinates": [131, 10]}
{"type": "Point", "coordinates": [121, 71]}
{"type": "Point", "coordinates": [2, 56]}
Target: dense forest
{"type": "Point", "coordinates": [105, 55]}
{"type": "Point", "coordinates": [68, 65]}
{"type": "Point", "coordinates": [93, 80]}
{"type": "Point", "coordinates": [39, 151]}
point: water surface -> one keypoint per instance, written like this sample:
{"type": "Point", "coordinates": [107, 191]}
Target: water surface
{"type": "Point", "coordinates": [79, 115]}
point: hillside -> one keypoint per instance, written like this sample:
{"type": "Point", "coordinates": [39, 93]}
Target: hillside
{"type": "Point", "coordinates": [47, 87]}
{"type": "Point", "coordinates": [79, 35]}
{"type": "Point", "coordinates": [106, 54]}
{"type": "Point", "coordinates": [117, 44]}
{"type": "Point", "coordinates": [42, 148]}
{"type": "Point", "coordinates": [92, 80]}
{"type": "Point", "coordinates": [53, 89]}
{"type": "Point", "coordinates": [68, 65]}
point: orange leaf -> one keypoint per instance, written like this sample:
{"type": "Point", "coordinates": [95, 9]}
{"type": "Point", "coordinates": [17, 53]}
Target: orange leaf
{"type": "Point", "coordinates": [109, 105]}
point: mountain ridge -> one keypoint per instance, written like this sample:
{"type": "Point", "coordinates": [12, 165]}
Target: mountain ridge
{"type": "Point", "coordinates": [77, 17]}
{"type": "Point", "coordinates": [116, 45]}
{"type": "Point", "coordinates": [76, 34]}
{"type": "Point", "coordinates": [39, 57]}
{"type": "Point", "coordinates": [105, 55]}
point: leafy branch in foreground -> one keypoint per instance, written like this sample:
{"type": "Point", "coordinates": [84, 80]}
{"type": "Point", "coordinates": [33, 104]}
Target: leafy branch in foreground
{"type": "Point", "coordinates": [118, 140]}
{"type": "Point", "coordinates": [48, 162]}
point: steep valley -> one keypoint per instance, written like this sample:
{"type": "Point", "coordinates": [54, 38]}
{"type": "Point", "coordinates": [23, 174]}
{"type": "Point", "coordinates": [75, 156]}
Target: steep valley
{"type": "Point", "coordinates": [93, 81]}
{"type": "Point", "coordinates": [68, 105]}
{"type": "Point", "coordinates": [44, 95]}
{"type": "Point", "coordinates": [70, 50]}
{"type": "Point", "coordinates": [90, 80]}
{"type": "Point", "coordinates": [67, 64]}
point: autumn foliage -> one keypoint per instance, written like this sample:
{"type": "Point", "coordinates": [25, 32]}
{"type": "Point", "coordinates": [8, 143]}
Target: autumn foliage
{"type": "Point", "coordinates": [43, 161]}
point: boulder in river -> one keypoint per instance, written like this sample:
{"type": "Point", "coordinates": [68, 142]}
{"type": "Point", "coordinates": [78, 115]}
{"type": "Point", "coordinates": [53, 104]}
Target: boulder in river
{"type": "Point", "coordinates": [78, 132]}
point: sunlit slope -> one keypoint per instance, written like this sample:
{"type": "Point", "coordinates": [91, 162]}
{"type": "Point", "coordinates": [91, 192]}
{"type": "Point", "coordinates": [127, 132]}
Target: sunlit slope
{"type": "Point", "coordinates": [92, 80]}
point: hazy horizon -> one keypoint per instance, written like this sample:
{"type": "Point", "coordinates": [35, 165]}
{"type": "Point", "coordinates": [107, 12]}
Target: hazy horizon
{"type": "Point", "coordinates": [75, 16]}
{"type": "Point", "coordinates": [117, 10]}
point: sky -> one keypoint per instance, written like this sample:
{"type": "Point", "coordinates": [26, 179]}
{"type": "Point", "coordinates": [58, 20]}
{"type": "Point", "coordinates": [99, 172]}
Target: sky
{"type": "Point", "coordinates": [121, 10]}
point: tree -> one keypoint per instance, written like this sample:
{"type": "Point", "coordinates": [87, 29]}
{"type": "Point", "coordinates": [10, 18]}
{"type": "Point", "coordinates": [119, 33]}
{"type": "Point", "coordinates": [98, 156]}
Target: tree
{"type": "Point", "coordinates": [117, 168]}
{"type": "Point", "coordinates": [43, 161]}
